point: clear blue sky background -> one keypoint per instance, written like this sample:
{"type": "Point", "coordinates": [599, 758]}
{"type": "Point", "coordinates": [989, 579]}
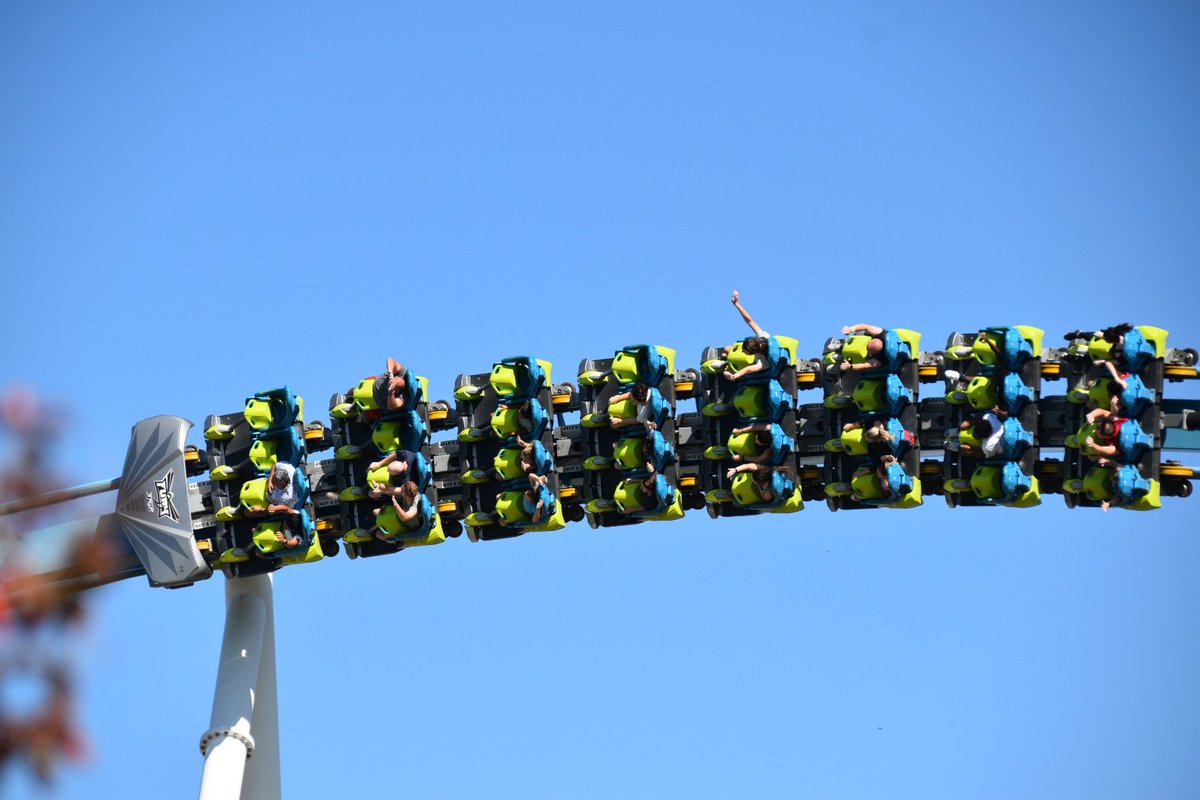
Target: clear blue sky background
{"type": "Point", "coordinates": [201, 202]}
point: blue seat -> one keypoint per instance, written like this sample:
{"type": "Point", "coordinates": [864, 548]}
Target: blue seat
{"type": "Point", "coordinates": [529, 507]}
{"type": "Point", "coordinates": [762, 402]}
{"type": "Point", "coordinates": [1130, 485]}
{"type": "Point", "coordinates": [885, 395]}
{"type": "Point", "coordinates": [1015, 348]}
{"type": "Point", "coordinates": [781, 446]}
{"type": "Point", "coordinates": [303, 490]}
{"type": "Point", "coordinates": [285, 445]}
{"type": "Point", "coordinates": [1016, 439]}
{"type": "Point", "coordinates": [543, 461]}
{"type": "Point", "coordinates": [664, 496]}
{"type": "Point", "coordinates": [782, 487]}
{"type": "Point", "coordinates": [900, 484]}
{"type": "Point", "coordinates": [393, 531]}
{"type": "Point", "coordinates": [651, 365]}
{"type": "Point", "coordinates": [776, 360]}
{"type": "Point", "coordinates": [404, 430]}
{"type": "Point", "coordinates": [411, 392]}
{"type": "Point", "coordinates": [1015, 482]}
{"type": "Point", "coordinates": [1132, 441]}
{"type": "Point", "coordinates": [1133, 398]}
{"type": "Point", "coordinates": [272, 411]}
{"type": "Point", "coordinates": [902, 438]}
{"type": "Point", "coordinates": [895, 353]}
{"type": "Point", "coordinates": [518, 378]}
{"type": "Point", "coordinates": [420, 472]}
{"type": "Point", "coordinates": [633, 450]}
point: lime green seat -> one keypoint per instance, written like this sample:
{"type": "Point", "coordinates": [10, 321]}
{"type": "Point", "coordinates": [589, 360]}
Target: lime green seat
{"type": "Point", "coordinates": [625, 368]}
{"type": "Point", "coordinates": [508, 464]}
{"type": "Point", "coordinates": [983, 353]}
{"type": "Point", "coordinates": [751, 401]}
{"type": "Point", "coordinates": [505, 380]}
{"type": "Point", "coordinates": [982, 393]}
{"type": "Point", "coordinates": [987, 482]}
{"type": "Point", "coordinates": [738, 358]}
{"type": "Point", "coordinates": [742, 444]}
{"type": "Point", "coordinates": [263, 453]}
{"type": "Point", "coordinates": [1097, 485]}
{"type": "Point", "coordinates": [867, 486]}
{"type": "Point", "coordinates": [870, 395]}
{"type": "Point", "coordinates": [1100, 349]}
{"type": "Point", "coordinates": [389, 522]}
{"type": "Point", "coordinates": [854, 349]}
{"type": "Point", "coordinates": [629, 452]}
{"type": "Point", "coordinates": [1101, 393]}
{"type": "Point", "coordinates": [387, 436]}
{"type": "Point", "coordinates": [623, 409]}
{"type": "Point", "coordinates": [264, 537]}
{"type": "Point", "coordinates": [506, 421]}
{"type": "Point", "coordinates": [508, 506]}
{"type": "Point", "coordinates": [258, 414]}
{"type": "Point", "coordinates": [254, 494]}
{"type": "Point", "coordinates": [746, 494]}
{"type": "Point", "coordinates": [854, 442]}
{"type": "Point", "coordinates": [363, 395]}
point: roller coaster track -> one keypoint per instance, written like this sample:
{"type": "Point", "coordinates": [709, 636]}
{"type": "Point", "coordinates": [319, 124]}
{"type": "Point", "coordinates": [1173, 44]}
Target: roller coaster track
{"type": "Point", "coordinates": [178, 532]}
{"type": "Point", "coordinates": [633, 456]}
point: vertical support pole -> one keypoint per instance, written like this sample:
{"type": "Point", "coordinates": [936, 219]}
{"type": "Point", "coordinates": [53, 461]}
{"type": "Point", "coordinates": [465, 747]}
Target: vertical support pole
{"type": "Point", "coordinates": [228, 743]}
{"type": "Point", "coordinates": [262, 778]}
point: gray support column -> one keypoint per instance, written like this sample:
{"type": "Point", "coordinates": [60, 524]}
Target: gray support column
{"type": "Point", "coordinates": [228, 742]}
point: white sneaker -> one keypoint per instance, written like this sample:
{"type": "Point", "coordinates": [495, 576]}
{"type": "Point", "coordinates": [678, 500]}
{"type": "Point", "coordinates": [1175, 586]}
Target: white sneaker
{"type": "Point", "coordinates": [952, 375]}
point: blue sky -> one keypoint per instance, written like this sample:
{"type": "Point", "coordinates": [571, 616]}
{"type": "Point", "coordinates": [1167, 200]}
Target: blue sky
{"type": "Point", "coordinates": [204, 202]}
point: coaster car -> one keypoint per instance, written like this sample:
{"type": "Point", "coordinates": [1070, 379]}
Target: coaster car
{"type": "Point", "coordinates": [1122, 487]}
{"type": "Point", "coordinates": [746, 494]}
{"type": "Point", "coordinates": [429, 531]}
{"type": "Point", "coordinates": [903, 491]}
{"type": "Point", "coordinates": [273, 411]}
{"type": "Point", "coordinates": [515, 510]}
{"type": "Point", "coordinates": [629, 499]}
{"type": "Point", "coordinates": [507, 465]}
{"type": "Point", "coordinates": [755, 403]}
{"type": "Point", "coordinates": [898, 348]}
{"type": "Point", "coordinates": [641, 363]}
{"type": "Point", "coordinates": [1001, 347]}
{"type": "Point", "coordinates": [370, 395]}
{"type": "Point", "coordinates": [985, 392]}
{"type": "Point", "coordinates": [527, 419]}
{"type": "Point", "coordinates": [885, 395]}
{"type": "Point", "coordinates": [745, 445]}
{"type": "Point", "coordinates": [419, 472]}
{"type": "Point", "coordinates": [632, 452]}
{"type": "Point", "coordinates": [853, 442]}
{"type": "Point", "coordinates": [519, 378]}
{"type": "Point", "coordinates": [1131, 400]}
{"type": "Point", "coordinates": [999, 484]}
{"type": "Point", "coordinates": [267, 542]}
{"type": "Point", "coordinates": [1132, 442]}
{"type": "Point", "coordinates": [285, 445]}
{"type": "Point", "coordinates": [781, 353]}
{"type": "Point", "coordinates": [1142, 344]}
{"type": "Point", "coordinates": [253, 496]}
{"type": "Point", "coordinates": [404, 430]}
{"type": "Point", "coordinates": [627, 409]}
{"type": "Point", "coordinates": [1016, 441]}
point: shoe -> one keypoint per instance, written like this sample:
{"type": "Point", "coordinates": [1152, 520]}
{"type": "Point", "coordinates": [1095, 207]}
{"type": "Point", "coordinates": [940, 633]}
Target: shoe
{"type": "Point", "coordinates": [952, 375]}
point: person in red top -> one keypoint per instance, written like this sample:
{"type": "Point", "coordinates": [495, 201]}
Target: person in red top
{"type": "Point", "coordinates": [1106, 442]}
